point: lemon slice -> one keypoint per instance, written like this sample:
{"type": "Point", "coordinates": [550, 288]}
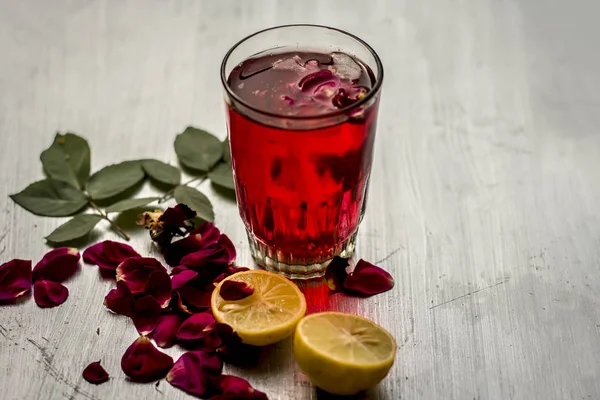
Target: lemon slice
{"type": "Point", "coordinates": [343, 353]}
{"type": "Point", "coordinates": [267, 316]}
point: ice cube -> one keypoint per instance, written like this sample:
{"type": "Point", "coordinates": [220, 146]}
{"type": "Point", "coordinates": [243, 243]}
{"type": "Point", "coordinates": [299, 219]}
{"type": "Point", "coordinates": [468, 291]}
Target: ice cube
{"type": "Point", "coordinates": [345, 66]}
{"type": "Point", "coordinates": [290, 64]}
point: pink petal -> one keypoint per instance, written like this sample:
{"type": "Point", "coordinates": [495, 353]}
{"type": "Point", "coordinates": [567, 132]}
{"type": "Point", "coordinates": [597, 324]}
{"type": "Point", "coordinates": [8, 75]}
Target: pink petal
{"type": "Point", "coordinates": [57, 265]}
{"type": "Point", "coordinates": [166, 330]}
{"type": "Point", "coordinates": [49, 294]}
{"type": "Point", "coordinates": [235, 290]}
{"type": "Point", "coordinates": [146, 311]}
{"type": "Point", "coordinates": [135, 272]}
{"type": "Point", "coordinates": [336, 273]}
{"type": "Point", "coordinates": [94, 373]}
{"type": "Point", "coordinates": [142, 362]}
{"type": "Point", "coordinates": [120, 300]}
{"type": "Point", "coordinates": [179, 279]}
{"type": "Point", "coordinates": [194, 327]}
{"type": "Point", "coordinates": [159, 286]}
{"type": "Point", "coordinates": [194, 372]}
{"type": "Point", "coordinates": [235, 388]}
{"type": "Point", "coordinates": [15, 279]}
{"type": "Point", "coordinates": [368, 279]}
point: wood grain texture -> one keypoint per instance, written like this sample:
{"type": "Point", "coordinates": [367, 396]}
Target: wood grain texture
{"type": "Point", "coordinates": [483, 203]}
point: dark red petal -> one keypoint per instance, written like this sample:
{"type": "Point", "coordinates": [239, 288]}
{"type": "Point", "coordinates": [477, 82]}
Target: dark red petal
{"type": "Point", "coordinates": [117, 252]}
{"type": "Point", "coordinates": [234, 270]}
{"type": "Point", "coordinates": [49, 294]}
{"type": "Point", "coordinates": [146, 311]}
{"type": "Point", "coordinates": [179, 279]}
{"type": "Point", "coordinates": [15, 279]}
{"type": "Point", "coordinates": [177, 250]}
{"type": "Point", "coordinates": [190, 296]}
{"type": "Point", "coordinates": [120, 300]}
{"type": "Point", "coordinates": [135, 272]}
{"type": "Point", "coordinates": [235, 290]}
{"type": "Point", "coordinates": [227, 244]}
{"type": "Point", "coordinates": [368, 279]}
{"type": "Point", "coordinates": [142, 362]}
{"type": "Point", "coordinates": [219, 336]}
{"type": "Point", "coordinates": [336, 273]}
{"type": "Point", "coordinates": [312, 81]}
{"type": "Point", "coordinates": [57, 265]}
{"type": "Point", "coordinates": [166, 330]}
{"type": "Point", "coordinates": [193, 371]}
{"type": "Point", "coordinates": [208, 232]}
{"type": "Point", "coordinates": [177, 215]}
{"type": "Point", "coordinates": [159, 286]}
{"type": "Point", "coordinates": [194, 327]}
{"type": "Point", "coordinates": [213, 254]}
{"type": "Point", "coordinates": [235, 388]}
{"type": "Point", "coordinates": [94, 373]}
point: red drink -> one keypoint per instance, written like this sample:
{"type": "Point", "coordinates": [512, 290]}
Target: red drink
{"type": "Point", "coordinates": [302, 144]}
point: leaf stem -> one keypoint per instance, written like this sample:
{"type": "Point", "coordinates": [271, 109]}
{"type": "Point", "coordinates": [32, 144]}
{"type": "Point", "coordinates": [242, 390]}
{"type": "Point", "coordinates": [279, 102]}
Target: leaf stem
{"type": "Point", "coordinates": [169, 194]}
{"type": "Point", "coordinates": [112, 223]}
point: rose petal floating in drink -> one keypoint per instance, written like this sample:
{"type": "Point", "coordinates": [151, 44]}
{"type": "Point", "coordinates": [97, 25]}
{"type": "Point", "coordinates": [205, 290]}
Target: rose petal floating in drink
{"type": "Point", "coordinates": [57, 265]}
{"type": "Point", "coordinates": [49, 294]}
{"type": "Point", "coordinates": [166, 330]}
{"type": "Point", "coordinates": [108, 255]}
{"type": "Point", "coordinates": [368, 279]}
{"type": "Point", "coordinates": [235, 290]}
{"type": "Point", "coordinates": [15, 279]}
{"type": "Point", "coordinates": [142, 362]}
{"type": "Point", "coordinates": [194, 373]}
{"type": "Point", "coordinates": [235, 388]}
{"type": "Point", "coordinates": [95, 373]}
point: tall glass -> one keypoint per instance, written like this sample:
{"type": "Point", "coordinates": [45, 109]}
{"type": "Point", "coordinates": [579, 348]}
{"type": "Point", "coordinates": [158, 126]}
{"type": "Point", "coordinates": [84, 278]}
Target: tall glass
{"type": "Point", "coordinates": [301, 165]}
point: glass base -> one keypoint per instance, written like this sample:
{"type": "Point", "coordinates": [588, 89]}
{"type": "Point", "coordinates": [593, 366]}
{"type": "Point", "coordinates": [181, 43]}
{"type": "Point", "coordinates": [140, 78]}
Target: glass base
{"type": "Point", "coordinates": [292, 267]}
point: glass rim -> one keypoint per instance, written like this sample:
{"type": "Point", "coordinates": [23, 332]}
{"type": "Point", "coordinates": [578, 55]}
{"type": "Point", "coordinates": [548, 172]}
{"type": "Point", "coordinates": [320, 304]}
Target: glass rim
{"type": "Point", "coordinates": [370, 94]}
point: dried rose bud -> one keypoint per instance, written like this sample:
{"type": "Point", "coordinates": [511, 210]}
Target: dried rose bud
{"type": "Point", "coordinates": [336, 273]}
{"type": "Point", "coordinates": [49, 294]}
{"type": "Point", "coordinates": [57, 265]}
{"type": "Point", "coordinates": [120, 300]}
{"type": "Point", "coordinates": [235, 388]}
{"type": "Point", "coordinates": [193, 373]}
{"type": "Point", "coordinates": [166, 330]}
{"type": "Point", "coordinates": [94, 373]}
{"type": "Point", "coordinates": [108, 255]}
{"type": "Point", "coordinates": [235, 290]}
{"type": "Point", "coordinates": [15, 279]}
{"type": "Point", "coordinates": [368, 279]}
{"type": "Point", "coordinates": [142, 362]}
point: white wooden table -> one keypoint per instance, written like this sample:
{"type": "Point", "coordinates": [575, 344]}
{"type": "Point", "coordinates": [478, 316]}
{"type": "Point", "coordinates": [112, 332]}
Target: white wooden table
{"type": "Point", "coordinates": [484, 202]}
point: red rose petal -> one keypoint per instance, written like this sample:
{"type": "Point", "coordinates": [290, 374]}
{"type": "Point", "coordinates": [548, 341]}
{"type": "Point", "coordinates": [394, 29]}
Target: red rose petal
{"type": "Point", "coordinates": [196, 298]}
{"type": "Point", "coordinates": [179, 279]}
{"type": "Point", "coordinates": [146, 311]}
{"type": "Point", "coordinates": [49, 294]}
{"type": "Point", "coordinates": [235, 290]}
{"type": "Point", "coordinates": [336, 273]}
{"type": "Point", "coordinates": [209, 233]}
{"type": "Point", "coordinates": [174, 252]}
{"type": "Point", "coordinates": [159, 286]}
{"type": "Point", "coordinates": [142, 362]}
{"type": "Point", "coordinates": [213, 254]}
{"type": "Point", "coordinates": [235, 388]}
{"type": "Point", "coordinates": [227, 244]}
{"type": "Point", "coordinates": [194, 327]}
{"type": "Point", "coordinates": [368, 279]}
{"type": "Point", "coordinates": [177, 215]}
{"type": "Point", "coordinates": [220, 337]}
{"type": "Point", "coordinates": [108, 255]}
{"type": "Point", "coordinates": [57, 265]}
{"type": "Point", "coordinates": [194, 372]}
{"type": "Point", "coordinates": [135, 272]}
{"type": "Point", "coordinates": [166, 330]}
{"type": "Point", "coordinates": [15, 279]}
{"type": "Point", "coordinates": [120, 300]}
{"type": "Point", "coordinates": [94, 373]}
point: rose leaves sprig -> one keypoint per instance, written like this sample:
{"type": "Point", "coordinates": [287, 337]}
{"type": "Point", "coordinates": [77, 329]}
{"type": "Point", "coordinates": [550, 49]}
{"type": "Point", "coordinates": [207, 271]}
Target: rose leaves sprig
{"type": "Point", "coordinates": [71, 188]}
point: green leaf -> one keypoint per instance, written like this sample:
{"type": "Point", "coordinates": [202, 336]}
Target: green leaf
{"type": "Point", "coordinates": [162, 172]}
{"type": "Point", "coordinates": [130, 204]}
{"type": "Point", "coordinates": [226, 151]}
{"type": "Point", "coordinates": [114, 179]}
{"type": "Point", "coordinates": [196, 201]}
{"type": "Point", "coordinates": [222, 175]}
{"type": "Point", "coordinates": [50, 198]}
{"type": "Point", "coordinates": [198, 149]}
{"type": "Point", "coordinates": [74, 228]}
{"type": "Point", "coordinates": [68, 159]}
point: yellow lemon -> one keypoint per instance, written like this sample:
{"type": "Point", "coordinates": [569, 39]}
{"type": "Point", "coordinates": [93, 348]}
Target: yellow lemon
{"type": "Point", "coordinates": [267, 316]}
{"type": "Point", "coordinates": [343, 353]}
